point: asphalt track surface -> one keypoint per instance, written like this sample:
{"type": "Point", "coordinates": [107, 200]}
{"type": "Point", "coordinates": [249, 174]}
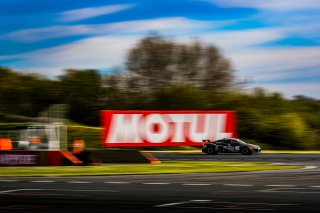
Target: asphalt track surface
{"type": "Point", "coordinates": [268, 191]}
{"type": "Point", "coordinates": [281, 158]}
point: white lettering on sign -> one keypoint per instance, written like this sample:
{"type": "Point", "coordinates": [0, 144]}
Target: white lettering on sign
{"type": "Point", "coordinates": [155, 129]}
{"type": "Point", "coordinates": [124, 128]}
{"type": "Point", "coordinates": [158, 128]}
{"type": "Point", "coordinates": [202, 126]}
{"type": "Point", "coordinates": [178, 121]}
{"type": "Point", "coordinates": [14, 159]}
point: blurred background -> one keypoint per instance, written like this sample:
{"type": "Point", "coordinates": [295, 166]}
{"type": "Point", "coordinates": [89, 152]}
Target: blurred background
{"type": "Point", "coordinates": [258, 59]}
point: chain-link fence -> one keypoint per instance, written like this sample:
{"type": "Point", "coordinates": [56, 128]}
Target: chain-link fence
{"type": "Point", "coordinates": [37, 137]}
{"type": "Point", "coordinates": [50, 132]}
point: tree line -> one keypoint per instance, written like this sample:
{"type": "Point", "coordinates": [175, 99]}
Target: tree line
{"type": "Point", "coordinates": [165, 75]}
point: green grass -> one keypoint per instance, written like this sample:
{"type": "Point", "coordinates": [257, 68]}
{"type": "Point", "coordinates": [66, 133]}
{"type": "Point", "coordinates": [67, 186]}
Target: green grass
{"type": "Point", "coordinates": [166, 167]}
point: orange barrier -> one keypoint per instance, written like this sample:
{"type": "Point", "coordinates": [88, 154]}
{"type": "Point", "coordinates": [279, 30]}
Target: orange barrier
{"type": "Point", "coordinates": [62, 158]}
{"type": "Point", "coordinates": [5, 144]}
{"type": "Point", "coordinates": [68, 155]}
{"type": "Point", "coordinates": [152, 159]}
{"type": "Point", "coordinates": [77, 146]}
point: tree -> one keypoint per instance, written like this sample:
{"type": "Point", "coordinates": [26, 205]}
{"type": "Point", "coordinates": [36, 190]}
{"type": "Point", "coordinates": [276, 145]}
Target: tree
{"type": "Point", "coordinates": [157, 62]}
{"type": "Point", "coordinates": [26, 93]}
{"type": "Point", "coordinates": [82, 92]}
{"type": "Point", "coordinates": [181, 97]}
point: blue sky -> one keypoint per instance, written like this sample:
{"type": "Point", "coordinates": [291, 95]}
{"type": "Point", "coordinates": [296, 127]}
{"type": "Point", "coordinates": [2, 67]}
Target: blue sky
{"type": "Point", "coordinates": [274, 44]}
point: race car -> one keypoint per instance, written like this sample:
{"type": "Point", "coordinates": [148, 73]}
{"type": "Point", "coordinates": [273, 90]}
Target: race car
{"type": "Point", "coordinates": [229, 145]}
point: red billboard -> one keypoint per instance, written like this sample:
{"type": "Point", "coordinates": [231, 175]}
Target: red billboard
{"type": "Point", "coordinates": [165, 128]}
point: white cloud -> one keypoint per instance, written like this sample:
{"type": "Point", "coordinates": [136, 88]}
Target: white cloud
{"type": "Point", "coordinates": [233, 40]}
{"type": "Point", "coordinates": [175, 24]}
{"type": "Point", "coordinates": [97, 53]}
{"type": "Point", "coordinates": [286, 75]}
{"type": "Point", "coordinates": [269, 60]}
{"type": "Point", "coordinates": [85, 13]}
{"type": "Point", "coordinates": [274, 5]}
{"type": "Point", "coordinates": [39, 34]}
{"type": "Point", "coordinates": [172, 25]}
{"type": "Point", "coordinates": [253, 60]}
{"type": "Point", "coordinates": [309, 30]}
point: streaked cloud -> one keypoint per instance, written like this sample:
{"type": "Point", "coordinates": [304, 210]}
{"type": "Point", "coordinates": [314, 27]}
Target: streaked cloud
{"type": "Point", "coordinates": [95, 52]}
{"type": "Point", "coordinates": [231, 40]}
{"type": "Point", "coordinates": [90, 12]}
{"type": "Point", "coordinates": [173, 25]}
{"type": "Point", "coordinates": [39, 34]}
{"type": "Point", "coordinates": [275, 5]}
{"type": "Point", "coordinates": [259, 60]}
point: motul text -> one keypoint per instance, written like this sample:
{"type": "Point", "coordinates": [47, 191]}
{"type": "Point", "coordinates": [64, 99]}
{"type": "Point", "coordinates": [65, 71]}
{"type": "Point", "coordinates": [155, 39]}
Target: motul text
{"type": "Point", "coordinates": [165, 128]}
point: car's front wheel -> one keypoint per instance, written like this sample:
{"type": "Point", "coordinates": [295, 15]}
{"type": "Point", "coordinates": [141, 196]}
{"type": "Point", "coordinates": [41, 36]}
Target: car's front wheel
{"type": "Point", "coordinates": [246, 151]}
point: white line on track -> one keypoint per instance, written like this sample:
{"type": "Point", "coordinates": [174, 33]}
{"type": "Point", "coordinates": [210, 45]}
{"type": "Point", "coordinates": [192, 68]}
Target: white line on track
{"type": "Point", "coordinates": [8, 180]}
{"type": "Point", "coordinates": [233, 184]}
{"type": "Point", "coordinates": [310, 167]}
{"type": "Point", "coordinates": [118, 182]}
{"type": "Point", "coordinates": [8, 191]}
{"type": "Point", "coordinates": [63, 190]}
{"type": "Point", "coordinates": [172, 204]}
{"type": "Point", "coordinates": [42, 181]}
{"type": "Point", "coordinates": [233, 206]}
{"type": "Point", "coordinates": [17, 190]}
{"type": "Point", "coordinates": [281, 185]}
{"type": "Point", "coordinates": [196, 184]}
{"type": "Point", "coordinates": [156, 183]}
{"type": "Point", "coordinates": [89, 190]}
{"type": "Point", "coordinates": [79, 182]}
{"type": "Point", "coordinates": [315, 186]}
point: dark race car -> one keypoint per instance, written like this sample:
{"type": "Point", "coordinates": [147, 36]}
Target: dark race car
{"type": "Point", "coordinates": [229, 145]}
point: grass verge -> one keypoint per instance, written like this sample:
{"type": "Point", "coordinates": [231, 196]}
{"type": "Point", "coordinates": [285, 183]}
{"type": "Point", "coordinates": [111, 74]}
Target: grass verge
{"type": "Point", "coordinates": [166, 167]}
{"type": "Point", "coordinates": [263, 151]}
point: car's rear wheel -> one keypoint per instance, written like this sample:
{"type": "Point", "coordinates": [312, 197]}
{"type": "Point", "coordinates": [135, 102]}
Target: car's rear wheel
{"type": "Point", "coordinates": [211, 151]}
{"type": "Point", "coordinates": [246, 151]}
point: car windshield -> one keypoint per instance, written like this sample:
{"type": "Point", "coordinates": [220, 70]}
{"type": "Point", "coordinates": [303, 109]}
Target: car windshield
{"type": "Point", "coordinates": [241, 142]}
